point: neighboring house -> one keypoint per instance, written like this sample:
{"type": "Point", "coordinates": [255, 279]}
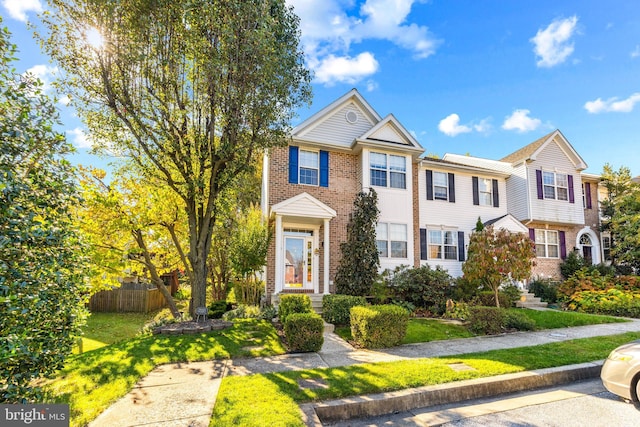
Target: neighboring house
{"type": "Point", "coordinates": [428, 207]}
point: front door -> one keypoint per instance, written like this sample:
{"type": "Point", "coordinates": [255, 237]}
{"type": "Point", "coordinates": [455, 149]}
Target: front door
{"type": "Point", "coordinates": [298, 262]}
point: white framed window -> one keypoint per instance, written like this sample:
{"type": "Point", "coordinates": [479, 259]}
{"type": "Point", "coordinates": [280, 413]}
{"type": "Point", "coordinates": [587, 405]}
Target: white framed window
{"type": "Point", "coordinates": [442, 244]}
{"type": "Point", "coordinates": [606, 248]}
{"type": "Point", "coordinates": [485, 189]}
{"type": "Point", "coordinates": [547, 244]}
{"type": "Point", "coordinates": [388, 170]}
{"type": "Point", "coordinates": [440, 186]}
{"type": "Point", "coordinates": [391, 240]}
{"type": "Point", "coordinates": [555, 185]}
{"type": "Point", "coordinates": [309, 167]}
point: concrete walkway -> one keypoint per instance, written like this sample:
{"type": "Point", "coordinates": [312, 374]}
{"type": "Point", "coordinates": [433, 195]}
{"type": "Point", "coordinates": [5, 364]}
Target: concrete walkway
{"type": "Point", "coordinates": [185, 394]}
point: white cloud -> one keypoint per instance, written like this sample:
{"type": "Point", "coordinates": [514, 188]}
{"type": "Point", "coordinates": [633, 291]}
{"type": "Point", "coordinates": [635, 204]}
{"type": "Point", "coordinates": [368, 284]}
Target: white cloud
{"type": "Point", "coordinates": [78, 138]}
{"type": "Point", "coordinates": [484, 126]}
{"type": "Point", "coordinates": [636, 52]}
{"type": "Point", "coordinates": [612, 105]}
{"type": "Point", "coordinates": [553, 44]}
{"type": "Point", "coordinates": [65, 100]}
{"type": "Point", "coordinates": [330, 29]}
{"type": "Point", "coordinates": [520, 121]}
{"type": "Point", "coordinates": [451, 126]}
{"type": "Point", "coordinates": [371, 85]}
{"type": "Point", "coordinates": [18, 8]}
{"type": "Point", "coordinates": [345, 69]}
{"type": "Point", "coordinates": [43, 72]}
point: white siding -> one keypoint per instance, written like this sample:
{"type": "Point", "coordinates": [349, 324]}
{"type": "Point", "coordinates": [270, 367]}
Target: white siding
{"type": "Point", "coordinates": [553, 159]}
{"type": "Point", "coordinates": [461, 215]}
{"type": "Point", "coordinates": [388, 133]}
{"type": "Point", "coordinates": [518, 193]}
{"type": "Point", "coordinates": [335, 129]}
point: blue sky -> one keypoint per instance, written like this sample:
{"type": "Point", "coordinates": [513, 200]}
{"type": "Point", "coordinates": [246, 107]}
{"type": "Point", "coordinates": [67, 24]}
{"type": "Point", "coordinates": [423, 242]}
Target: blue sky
{"type": "Point", "coordinates": [464, 76]}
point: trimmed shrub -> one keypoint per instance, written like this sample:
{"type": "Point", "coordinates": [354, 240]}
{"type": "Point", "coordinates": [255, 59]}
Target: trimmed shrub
{"type": "Point", "coordinates": [423, 287]}
{"type": "Point", "coordinates": [486, 320]}
{"type": "Point", "coordinates": [304, 332]}
{"type": "Point", "coordinates": [518, 320]}
{"type": "Point", "coordinates": [584, 280]}
{"type": "Point", "coordinates": [243, 312]}
{"type": "Point", "coordinates": [613, 302]}
{"type": "Point", "coordinates": [293, 303]}
{"type": "Point", "coordinates": [378, 326]}
{"type": "Point", "coordinates": [512, 293]}
{"type": "Point", "coordinates": [488, 299]}
{"type": "Point", "coordinates": [218, 308]}
{"type": "Point", "coordinates": [545, 289]}
{"type": "Point", "coordinates": [335, 308]}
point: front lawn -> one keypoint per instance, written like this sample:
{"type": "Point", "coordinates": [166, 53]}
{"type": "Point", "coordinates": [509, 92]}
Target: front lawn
{"type": "Point", "coordinates": [273, 399]}
{"type": "Point", "coordinates": [91, 381]}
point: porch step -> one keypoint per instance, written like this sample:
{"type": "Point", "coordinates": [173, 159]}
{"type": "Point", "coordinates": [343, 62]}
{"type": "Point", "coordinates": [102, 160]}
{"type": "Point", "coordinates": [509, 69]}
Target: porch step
{"type": "Point", "coordinates": [528, 300]}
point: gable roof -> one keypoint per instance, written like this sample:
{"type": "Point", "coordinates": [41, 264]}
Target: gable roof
{"type": "Point", "coordinates": [509, 223]}
{"type": "Point", "coordinates": [469, 167]}
{"type": "Point", "coordinates": [529, 152]}
{"type": "Point", "coordinates": [389, 131]}
{"type": "Point", "coordinates": [304, 205]}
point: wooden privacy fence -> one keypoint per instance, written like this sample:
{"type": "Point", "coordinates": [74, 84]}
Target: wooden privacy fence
{"type": "Point", "coordinates": [127, 300]}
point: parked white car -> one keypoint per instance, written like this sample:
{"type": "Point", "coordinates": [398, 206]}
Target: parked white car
{"type": "Point", "coordinates": [621, 371]}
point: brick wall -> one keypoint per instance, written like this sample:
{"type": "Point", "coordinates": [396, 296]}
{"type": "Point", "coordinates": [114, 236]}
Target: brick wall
{"type": "Point", "coordinates": [339, 195]}
{"type": "Point", "coordinates": [550, 267]}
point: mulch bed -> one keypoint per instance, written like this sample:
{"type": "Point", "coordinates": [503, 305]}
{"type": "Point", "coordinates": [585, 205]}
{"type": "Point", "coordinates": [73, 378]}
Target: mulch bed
{"type": "Point", "coordinates": [192, 327]}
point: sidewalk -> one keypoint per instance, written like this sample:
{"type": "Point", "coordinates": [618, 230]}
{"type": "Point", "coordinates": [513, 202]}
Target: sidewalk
{"type": "Point", "coordinates": [184, 394]}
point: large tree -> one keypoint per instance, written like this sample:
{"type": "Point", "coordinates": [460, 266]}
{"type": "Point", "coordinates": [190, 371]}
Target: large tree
{"type": "Point", "coordinates": [42, 290]}
{"type": "Point", "coordinates": [496, 257]}
{"type": "Point", "coordinates": [621, 216]}
{"type": "Point", "coordinates": [190, 90]}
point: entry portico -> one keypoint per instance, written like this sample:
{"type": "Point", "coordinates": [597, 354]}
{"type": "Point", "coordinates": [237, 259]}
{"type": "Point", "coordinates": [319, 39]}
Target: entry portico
{"type": "Point", "coordinates": [298, 224]}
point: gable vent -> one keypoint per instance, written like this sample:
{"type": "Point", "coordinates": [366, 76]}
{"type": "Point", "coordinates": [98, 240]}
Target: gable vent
{"type": "Point", "coordinates": [351, 116]}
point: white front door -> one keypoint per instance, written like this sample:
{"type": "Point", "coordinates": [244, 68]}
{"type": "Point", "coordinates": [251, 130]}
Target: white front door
{"type": "Point", "coordinates": [298, 261]}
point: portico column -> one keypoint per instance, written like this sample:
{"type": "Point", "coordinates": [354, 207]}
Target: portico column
{"type": "Point", "coordinates": [326, 256]}
{"type": "Point", "coordinates": [279, 269]}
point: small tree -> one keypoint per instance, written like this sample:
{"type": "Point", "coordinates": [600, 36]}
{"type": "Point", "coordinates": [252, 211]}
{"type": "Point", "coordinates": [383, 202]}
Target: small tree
{"type": "Point", "coordinates": [42, 290]}
{"type": "Point", "coordinates": [358, 268]}
{"type": "Point", "coordinates": [497, 257]}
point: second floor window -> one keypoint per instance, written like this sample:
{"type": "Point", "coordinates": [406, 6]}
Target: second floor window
{"type": "Point", "coordinates": [440, 186]}
{"type": "Point", "coordinates": [547, 244]}
{"type": "Point", "coordinates": [484, 191]}
{"type": "Point", "coordinates": [309, 167]}
{"type": "Point", "coordinates": [388, 170]}
{"type": "Point", "coordinates": [555, 185]}
{"type": "Point", "coordinates": [391, 240]}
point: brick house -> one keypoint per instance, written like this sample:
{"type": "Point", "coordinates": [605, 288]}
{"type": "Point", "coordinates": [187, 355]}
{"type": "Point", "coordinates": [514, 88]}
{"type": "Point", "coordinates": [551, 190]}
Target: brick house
{"type": "Point", "coordinates": [428, 207]}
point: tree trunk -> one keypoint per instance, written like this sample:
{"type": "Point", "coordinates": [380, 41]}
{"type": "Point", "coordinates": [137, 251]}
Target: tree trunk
{"type": "Point", "coordinates": [496, 293]}
{"type": "Point", "coordinates": [155, 277]}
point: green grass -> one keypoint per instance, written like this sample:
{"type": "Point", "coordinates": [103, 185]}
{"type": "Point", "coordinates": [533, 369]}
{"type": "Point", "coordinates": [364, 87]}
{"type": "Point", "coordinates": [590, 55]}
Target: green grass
{"type": "Point", "coordinates": [103, 329]}
{"type": "Point", "coordinates": [552, 319]}
{"type": "Point", "coordinates": [273, 399]}
{"type": "Point", "coordinates": [91, 381]}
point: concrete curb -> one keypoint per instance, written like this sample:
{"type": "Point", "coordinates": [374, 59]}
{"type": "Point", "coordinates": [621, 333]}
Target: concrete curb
{"type": "Point", "coordinates": [315, 414]}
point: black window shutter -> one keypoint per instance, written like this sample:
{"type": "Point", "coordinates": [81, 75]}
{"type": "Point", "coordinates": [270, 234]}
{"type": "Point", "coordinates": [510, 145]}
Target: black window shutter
{"type": "Point", "coordinates": [563, 244]}
{"type": "Point", "coordinates": [572, 198]}
{"type": "Point", "coordinates": [429, 185]}
{"type": "Point", "coordinates": [423, 243]}
{"type": "Point", "coordinates": [539, 184]}
{"type": "Point", "coordinates": [461, 246]}
{"type": "Point", "coordinates": [452, 188]}
{"type": "Point", "coordinates": [476, 191]}
{"type": "Point", "coordinates": [587, 194]}
{"type": "Point", "coordinates": [496, 198]}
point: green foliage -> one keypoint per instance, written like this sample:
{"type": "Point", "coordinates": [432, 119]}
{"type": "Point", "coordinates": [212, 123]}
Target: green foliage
{"type": "Point", "coordinates": [250, 244]}
{"type": "Point", "coordinates": [512, 293]}
{"type": "Point", "coordinates": [518, 320]}
{"type": "Point", "coordinates": [183, 293]}
{"type": "Point", "coordinates": [336, 308]}
{"type": "Point", "coordinates": [456, 310]}
{"type": "Point", "coordinates": [358, 268]}
{"type": "Point", "coordinates": [613, 302]}
{"type": "Point", "coordinates": [304, 332]}
{"type": "Point", "coordinates": [486, 320]}
{"type": "Point", "coordinates": [496, 257]}
{"type": "Point", "coordinates": [464, 289]}
{"type": "Point", "coordinates": [488, 299]}
{"type": "Point", "coordinates": [218, 308]}
{"type": "Point", "coordinates": [479, 225]}
{"type": "Point", "coordinates": [42, 289]}
{"type": "Point", "coordinates": [248, 291]}
{"type": "Point", "coordinates": [545, 289]}
{"type": "Point", "coordinates": [423, 287]}
{"type": "Point", "coordinates": [268, 312]}
{"type": "Point", "coordinates": [584, 280]}
{"type": "Point", "coordinates": [572, 263]}
{"type": "Point", "coordinates": [378, 326]}
{"type": "Point", "coordinates": [293, 303]}
{"type": "Point", "coordinates": [193, 91]}
{"type": "Point", "coordinates": [243, 312]}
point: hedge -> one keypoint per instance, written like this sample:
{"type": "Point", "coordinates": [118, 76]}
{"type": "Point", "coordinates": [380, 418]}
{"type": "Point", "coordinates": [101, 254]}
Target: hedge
{"type": "Point", "coordinates": [293, 303]}
{"type": "Point", "coordinates": [336, 308]}
{"type": "Point", "coordinates": [378, 326]}
{"type": "Point", "coordinates": [304, 332]}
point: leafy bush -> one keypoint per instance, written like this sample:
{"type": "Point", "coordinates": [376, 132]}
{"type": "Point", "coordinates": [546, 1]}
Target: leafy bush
{"type": "Point", "coordinates": [545, 289]}
{"type": "Point", "coordinates": [573, 263]}
{"type": "Point", "coordinates": [585, 280]}
{"type": "Point", "coordinates": [457, 310]}
{"type": "Point", "coordinates": [248, 291]}
{"type": "Point", "coordinates": [512, 293]}
{"type": "Point", "coordinates": [518, 320]}
{"type": "Point", "coordinates": [243, 312]}
{"type": "Point", "coordinates": [613, 302]}
{"type": "Point", "coordinates": [304, 332]}
{"type": "Point", "coordinates": [183, 293]}
{"type": "Point", "coordinates": [488, 299]}
{"type": "Point", "coordinates": [486, 320]}
{"type": "Point", "coordinates": [423, 287]}
{"type": "Point", "coordinates": [268, 312]}
{"type": "Point", "coordinates": [218, 308]}
{"type": "Point", "coordinates": [378, 326]}
{"type": "Point", "coordinates": [335, 308]}
{"type": "Point", "coordinates": [293, 303]}
{"type": "Point", "coordinates": [464, 289]}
